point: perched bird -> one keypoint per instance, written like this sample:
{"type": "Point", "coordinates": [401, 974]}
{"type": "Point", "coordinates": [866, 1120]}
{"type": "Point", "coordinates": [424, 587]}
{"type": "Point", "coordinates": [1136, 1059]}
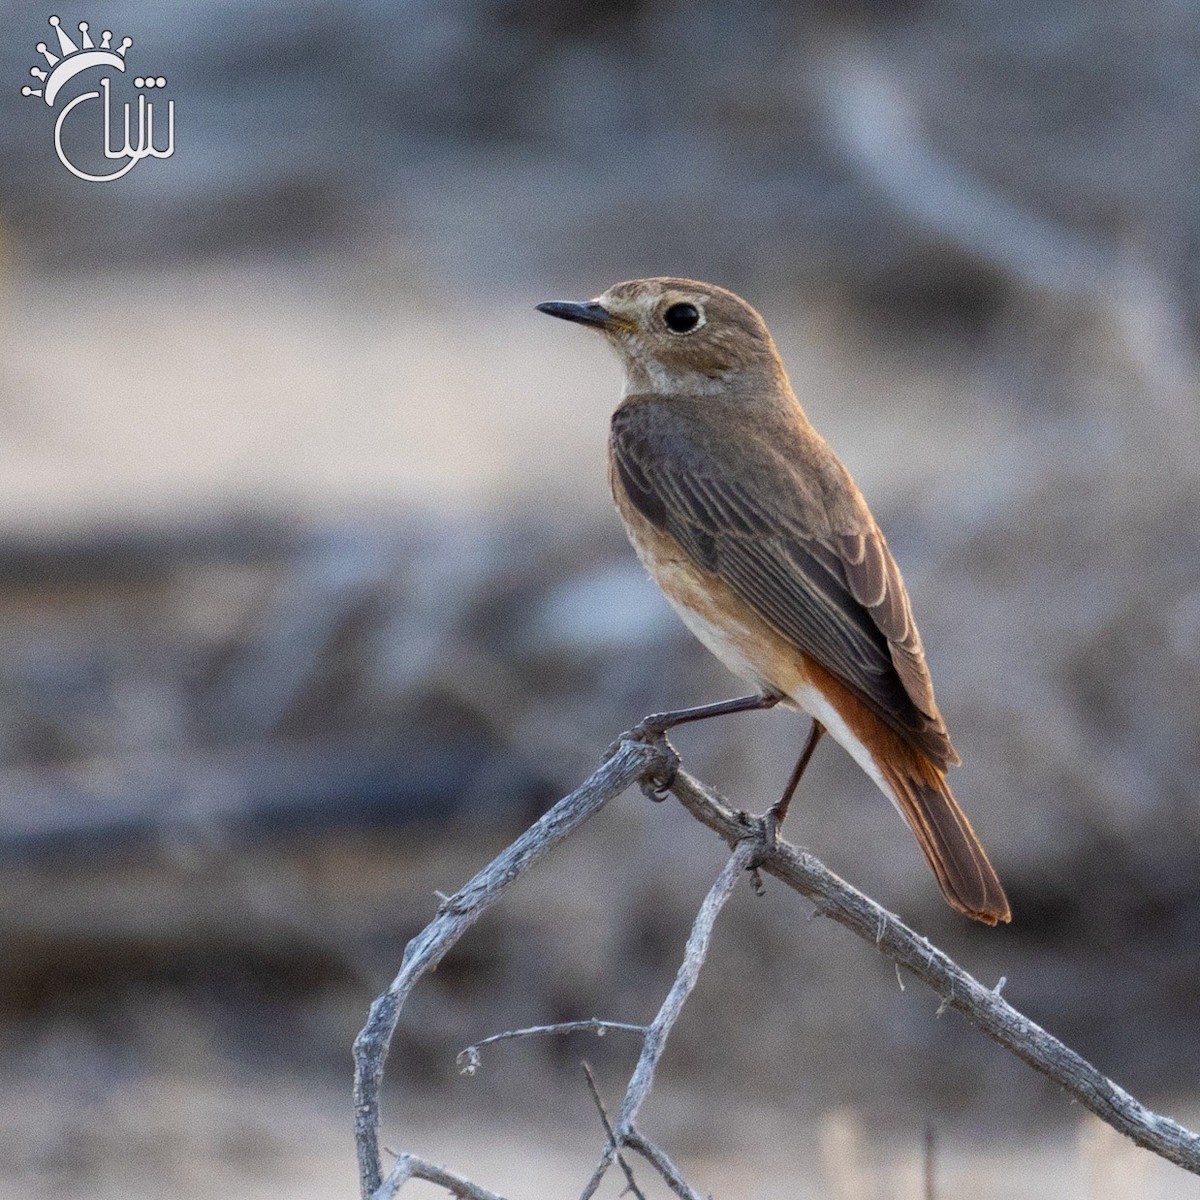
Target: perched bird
{"type": "Point", "coordinates": [764, 545]}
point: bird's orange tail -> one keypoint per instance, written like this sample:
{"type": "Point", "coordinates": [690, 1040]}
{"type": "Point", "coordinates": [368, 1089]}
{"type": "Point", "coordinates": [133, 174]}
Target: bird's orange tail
{"type": "Point", "coordinates": [951, 848]}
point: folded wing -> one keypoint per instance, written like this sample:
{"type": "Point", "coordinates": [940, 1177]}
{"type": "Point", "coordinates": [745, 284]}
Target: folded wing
{"type": "Point", "coordinates": [836, 596]}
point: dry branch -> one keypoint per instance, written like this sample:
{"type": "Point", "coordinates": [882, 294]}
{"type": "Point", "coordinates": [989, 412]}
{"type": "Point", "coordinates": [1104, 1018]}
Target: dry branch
{"type": "Point", "coordinates": [654, 766]}
{"type": "Point", "coordinates": [614, 1145]}
{"type": "Point", "coordinates": [631, 762]}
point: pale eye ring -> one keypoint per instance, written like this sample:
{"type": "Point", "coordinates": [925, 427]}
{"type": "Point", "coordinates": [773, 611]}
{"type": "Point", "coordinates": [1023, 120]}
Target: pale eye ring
{"type": "Point", "coordinates": [682, 317]}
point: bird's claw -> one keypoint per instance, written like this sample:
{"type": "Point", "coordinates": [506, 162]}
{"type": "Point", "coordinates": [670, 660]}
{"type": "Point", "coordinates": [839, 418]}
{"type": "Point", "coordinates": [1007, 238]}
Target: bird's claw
{"type": "Point", "coordinates": [765, 832]}
{"type": "Point", "coordinates": [656, 785]}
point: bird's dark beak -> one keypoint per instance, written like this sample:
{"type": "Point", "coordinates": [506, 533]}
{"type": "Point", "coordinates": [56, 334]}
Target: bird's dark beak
{"type": "Point", "coordinates": [585, 312]}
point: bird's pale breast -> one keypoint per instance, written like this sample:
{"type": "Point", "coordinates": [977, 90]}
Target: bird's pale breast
{"type": "Point", "coordinates": [711, 610]}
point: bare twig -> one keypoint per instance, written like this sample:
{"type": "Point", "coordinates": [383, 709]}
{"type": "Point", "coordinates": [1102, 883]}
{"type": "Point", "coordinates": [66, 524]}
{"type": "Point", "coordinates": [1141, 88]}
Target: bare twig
{"type": "Point", "coordinates": [608, 1129]}
{"type": "Point", "coordinates": [661, 1163]}
{"type": "Point", "coordinates": [408, 1166]}
{"type": "Point", "coordinates": [469, 1059]}
{"type": "Point", "coordinates": [593, 1184]}
{"type": "Point", "coordinates": [631, 762]}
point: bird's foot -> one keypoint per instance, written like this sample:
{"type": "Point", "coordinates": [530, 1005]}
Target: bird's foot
{"type": "Point", "coordinates": [651, 728]}
{"type": "Point", "coordinates": [648, 730]}
{"type": "Point", "coordinates": [753, 832]}
{"type": "Point", "coordinates": [656, 783]}
{"type": "Point", "coordinates": [771, 821]}
{"type": "Point", "coordinates": [764, 832]}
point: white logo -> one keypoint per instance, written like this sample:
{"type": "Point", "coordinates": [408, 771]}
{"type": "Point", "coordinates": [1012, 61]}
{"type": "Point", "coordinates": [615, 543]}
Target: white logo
{"type": "Point", "coordinates": [74, 60]}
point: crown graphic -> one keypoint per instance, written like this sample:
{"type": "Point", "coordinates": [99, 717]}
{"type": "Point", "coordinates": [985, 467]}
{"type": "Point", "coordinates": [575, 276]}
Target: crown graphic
{"type": "Point", "coordinates": [72, 59]}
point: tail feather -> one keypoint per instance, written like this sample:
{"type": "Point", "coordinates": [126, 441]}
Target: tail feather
{"type": "Point", "coordinates": [949, 844]}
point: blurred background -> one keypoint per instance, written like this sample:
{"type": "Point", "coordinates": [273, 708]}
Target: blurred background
{"type": "Point", "coordinates": [312, 597]}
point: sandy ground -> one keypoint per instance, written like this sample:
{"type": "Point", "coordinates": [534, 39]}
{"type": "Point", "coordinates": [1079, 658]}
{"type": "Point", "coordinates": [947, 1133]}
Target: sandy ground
{"type": "Point", "coordinates": [204, 1139]}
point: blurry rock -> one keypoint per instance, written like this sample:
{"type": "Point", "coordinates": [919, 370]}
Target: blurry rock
{"type": "Point", "coordinates": [614, 608]}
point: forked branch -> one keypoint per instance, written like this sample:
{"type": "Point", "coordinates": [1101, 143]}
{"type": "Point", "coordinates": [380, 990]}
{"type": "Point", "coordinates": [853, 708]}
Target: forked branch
{"type": "Point", "coordinates": [654, 765]}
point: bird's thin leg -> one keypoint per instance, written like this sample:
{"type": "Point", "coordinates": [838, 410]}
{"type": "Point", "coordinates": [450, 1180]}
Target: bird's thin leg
{"type": "Point", "coordinates": [655, 726]}
{"type": "Point", "coordinates": [776, 813]}
{"type": "Point", "coordinates": [659, 723]}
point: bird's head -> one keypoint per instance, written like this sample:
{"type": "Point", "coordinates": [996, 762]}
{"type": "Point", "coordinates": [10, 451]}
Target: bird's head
{"type": "Point", "coordinates": [677, 335]}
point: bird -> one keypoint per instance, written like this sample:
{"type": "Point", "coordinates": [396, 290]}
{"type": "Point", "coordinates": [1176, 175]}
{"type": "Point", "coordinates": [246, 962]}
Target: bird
{"type": "Point", "coordinates": [765, 547]}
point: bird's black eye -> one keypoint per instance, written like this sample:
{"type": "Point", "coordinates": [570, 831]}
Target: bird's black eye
{"type": "Point", "coordinates": [682, 318]}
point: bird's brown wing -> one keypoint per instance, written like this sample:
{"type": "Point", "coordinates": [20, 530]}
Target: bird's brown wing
{"type": "Point", "coordinates": [839, 598]}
